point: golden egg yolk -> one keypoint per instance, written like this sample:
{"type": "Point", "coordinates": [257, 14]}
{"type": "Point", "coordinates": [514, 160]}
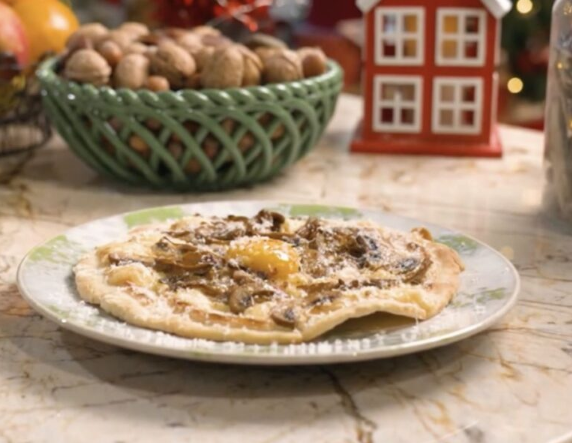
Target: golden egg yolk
{"type": "Point", "coordinates": [272, 257]}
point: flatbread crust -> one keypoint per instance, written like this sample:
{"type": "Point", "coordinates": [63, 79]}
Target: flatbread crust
{"type": "Point", "coordinates": [191, 313]}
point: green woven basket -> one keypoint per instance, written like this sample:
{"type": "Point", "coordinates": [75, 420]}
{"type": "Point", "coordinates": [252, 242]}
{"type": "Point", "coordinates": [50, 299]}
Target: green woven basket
{"type": "Point", "coordinates": [191, 140]}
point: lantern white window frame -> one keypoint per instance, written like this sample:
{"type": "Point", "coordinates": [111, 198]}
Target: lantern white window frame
{"type": "Point", "coordinates": [457, 106]}
{"type": "Point", "coordinates": [461, 37]}
{"type": "Point", "coordinates": [397, 104]}
{"type": "Point", "coordinates": [399, 36]}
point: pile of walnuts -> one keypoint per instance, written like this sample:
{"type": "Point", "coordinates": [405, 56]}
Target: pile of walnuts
{"type": "Point", "coordinates": [134, 57]}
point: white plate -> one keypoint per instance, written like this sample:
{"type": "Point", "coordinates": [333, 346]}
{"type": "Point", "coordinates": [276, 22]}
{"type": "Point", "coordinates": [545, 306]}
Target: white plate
{"type": "Point", "coordinates": [489, 288]}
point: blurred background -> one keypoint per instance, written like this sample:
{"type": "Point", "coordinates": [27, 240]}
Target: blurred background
{"type": "Point", "coordinates": [338, 31]}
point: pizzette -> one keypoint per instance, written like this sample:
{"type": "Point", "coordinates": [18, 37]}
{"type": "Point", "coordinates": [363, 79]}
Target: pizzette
{"type": "Point", "coordinates": [266, 278]}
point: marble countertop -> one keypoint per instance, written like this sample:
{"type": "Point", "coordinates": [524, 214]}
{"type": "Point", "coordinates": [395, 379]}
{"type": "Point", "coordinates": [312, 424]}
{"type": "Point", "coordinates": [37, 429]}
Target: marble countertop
{"type": "Point", "coordinates": [509, 384]}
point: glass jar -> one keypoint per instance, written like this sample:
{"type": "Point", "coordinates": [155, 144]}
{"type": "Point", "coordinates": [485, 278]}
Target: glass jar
{"type": "Point", "coordinates": [559, 107]}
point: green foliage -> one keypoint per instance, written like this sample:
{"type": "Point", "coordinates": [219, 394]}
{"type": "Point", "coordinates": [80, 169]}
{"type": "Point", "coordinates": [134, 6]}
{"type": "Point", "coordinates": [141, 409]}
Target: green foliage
{"type": "Point", "coordinates": [523, 38]}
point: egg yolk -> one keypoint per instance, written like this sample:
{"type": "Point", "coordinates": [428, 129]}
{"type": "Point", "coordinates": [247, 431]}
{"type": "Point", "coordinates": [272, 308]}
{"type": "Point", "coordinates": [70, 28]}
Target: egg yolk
{"type": "Point", "coordinates": [272, 257]}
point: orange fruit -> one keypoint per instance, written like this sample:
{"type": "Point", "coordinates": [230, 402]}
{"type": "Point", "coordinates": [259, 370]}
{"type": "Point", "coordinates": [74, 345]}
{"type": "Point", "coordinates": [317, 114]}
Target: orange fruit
{"type": "Point", "coordinates": [48, 23]}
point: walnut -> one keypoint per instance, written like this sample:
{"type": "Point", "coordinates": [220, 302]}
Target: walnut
{"type": "Point", "coordinates": [193, 166]}
{"type": "Point", "coordinates": [115, 123]}
{"type": "Point", "coordinates": [121, 38]}
{"type": "Point", "coordinates": [108, 146]}
{"type": "Point", "coordinates": [174, 63]}
{"type": "Point", "coordinates": [278, 132]}
{"type": "Point", "coordinates": [151, 51]}
{"type": "Point", "coordinates": [314, 61]}
{"type": "Point", "coordinates": [93, 32]}
{"type": "Point", "coordinates": [154, 39]}
{"type": "Point", "coordinates": [131, 72]}
{"type": "Point", "coordinates": [252, 67]}
{"type": "Point", "coordinates": [139, 145]}
{"type": "Point", "coordinates": [157, 83]}
{"type": "Point", "coordinates": [151, 123]}
{"type": "Point", "coordinates": [228, 125]}
{"type": "Point", "coordinates": [175, 33]}
{"type": "Point", "coordinates": [224, 69]}
{"type": "Point", "coordinates": [176, 149]}
{"type": "Point", "coordinates": [202, 56]}
{"type": "Point", "coordinates": [191, 126]}
{"type": "Point", "coordinates": [260, 40]}
{"type": "Point", "coordinates": [191, 42]}
{"type": "Point", "coordinates": [264, 53]}
{"type": "Point", "coordinates": [283, 66]}
{"type": "Point", "coordinates": [136, 48]}
{"type": "Point", "coordinates": [210, 147]}
{"type": "Point", "coordinates": [252, 72]}
{"type": "Point", "coordinates": [218, 41]}
{"type": "Point", "coordinates": [135, 29]}
{"type": "Point", "coordinates": [78, 43]}
{"type": "Point", "coordinates": [87, 66]}
{"type": "Point", "coordinates": [111, 52]}
{"type": "Point", "coordinates": [265, 120]}
{"type": "Point", "coordinates": [205, 30]}
{"type": "Point", "coordinates": [246, 142]}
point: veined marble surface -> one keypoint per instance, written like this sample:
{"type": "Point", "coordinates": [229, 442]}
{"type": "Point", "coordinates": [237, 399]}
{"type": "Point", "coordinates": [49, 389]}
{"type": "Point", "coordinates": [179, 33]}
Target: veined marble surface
{"type": "Point", "coordinates": [512, 383]}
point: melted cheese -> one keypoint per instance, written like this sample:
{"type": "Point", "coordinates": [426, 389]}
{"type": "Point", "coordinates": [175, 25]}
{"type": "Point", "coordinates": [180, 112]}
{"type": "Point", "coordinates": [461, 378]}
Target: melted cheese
{"type": "Point", "coordinates": [273, 257]}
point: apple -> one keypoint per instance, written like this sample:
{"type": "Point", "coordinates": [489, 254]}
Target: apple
{"type": "Point", "coordinates": [13, 38]}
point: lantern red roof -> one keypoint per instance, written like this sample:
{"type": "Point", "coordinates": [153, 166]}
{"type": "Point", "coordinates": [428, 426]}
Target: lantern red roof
{"type": "Point", "coordinates": [498, 8]}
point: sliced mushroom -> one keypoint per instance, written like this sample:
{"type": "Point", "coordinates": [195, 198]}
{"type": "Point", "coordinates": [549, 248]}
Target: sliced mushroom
{"type": "Point", "coordinates": [310, 229]}
{"type": "Point", "coordinates": [237, 218]}
{"type": "Point", "coordinates": [240, 299]}
{"type": "Point", "coordinates": [381, 283]}
{"type": "Point", "coordinates": [118, 260]}
{"type": "Point", "coordinates": [361, 244]}
{"type": "Point", "coordinates": [284, 316]}
{"type": "Point", "coordinates": [322, 299]}
{"type": "Point", "coordinates": [275, 218]}
{"type": "Point", "coordinates": [179, 233]}
{"type": "Point", "coordinates": [229, 234]}
{"type": "Point", "coordinates": [407, 265]}
{"type": "Point", "coordinates": [415, 275]}
{"type": "Point", "coordinates": [313, 288]}
{"type": "Point", "coordinates": [354, 284]}
{"type": "Point", "coordinates": [313, 264]}
{"type": "Point", "coordinates": [264, 294]}
{"type": "Point", "coordinates": [241, 276]}
{"type": "Point", "coordinates": [169, 244]}
{"type": "Point", "coordinates": [411, 269]}
{"type": "Point", "coordinates": [191, 281]}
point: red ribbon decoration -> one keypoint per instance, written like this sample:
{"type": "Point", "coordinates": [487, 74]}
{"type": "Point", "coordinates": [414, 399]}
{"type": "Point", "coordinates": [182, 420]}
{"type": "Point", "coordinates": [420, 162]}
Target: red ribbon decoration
{"type": "Point", "coordinates": [188, 13]}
